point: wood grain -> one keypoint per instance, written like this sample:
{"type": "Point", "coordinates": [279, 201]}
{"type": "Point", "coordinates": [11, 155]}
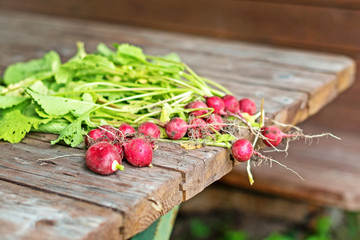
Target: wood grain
{"type": "Point", "coordinates": [142, 195]}
{"type": "Point", "coordinates": [325, 25]}
{"type": "Point", "coordinates": [29, 214]}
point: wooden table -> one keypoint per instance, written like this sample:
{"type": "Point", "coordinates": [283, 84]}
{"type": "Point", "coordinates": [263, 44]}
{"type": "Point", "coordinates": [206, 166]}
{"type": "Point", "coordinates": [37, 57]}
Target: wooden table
{"type": "Point", "coordinates": [61, 199]}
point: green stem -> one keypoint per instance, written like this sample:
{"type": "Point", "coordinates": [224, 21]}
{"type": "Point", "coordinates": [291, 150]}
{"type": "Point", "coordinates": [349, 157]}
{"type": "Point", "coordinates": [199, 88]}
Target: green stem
{"type": "Point", "coordinates": [193, 77]}
{"type": "Point", "coordinates": [109, 90]}
{"type": "Point", "coordinates": [199, 80]}
{"type": "Point", "coordinates": [120, 167]}
{"type": "Point", "coordinates": [147, 115]}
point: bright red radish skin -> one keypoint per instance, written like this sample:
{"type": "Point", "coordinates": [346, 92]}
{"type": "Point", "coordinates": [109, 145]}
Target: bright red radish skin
{"type": "Point", "coordinates": [215, 121]}
{"type": "Point", "coordinates": [119, 148]}
{"type": "Point", "coordinates": [197, 104]}
{"type": "Point", "coordinates": [93, 136]}
{"type": "Point", "coordinates": [242, 150]}
{"type": "Point", "coordinates": [247, 105]}
{"type": "Point", "coordinates": [103, 158]}
{"type": "Point", "coordinates": [138, 152]}
{"type": "Point", "coordinates": [110, 132]}
{"type": "Point", "coordinates": [217, 104]}
{"type": "Point", "coordinates": [273, 135]}
{"type": "Point", "coordinates": [176, 128]}
{"type": "Point", "coordinates": [196, 128]}
{"type": "Point", "coordinates": [231, 103]}
{"type": "Point", "coordinates": [149, 129]}
{"type": "Point", "coordinates": [126, 129]}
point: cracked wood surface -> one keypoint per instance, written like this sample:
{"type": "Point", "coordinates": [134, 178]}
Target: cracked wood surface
{"type": "Point", "coordinates": [294, 84]}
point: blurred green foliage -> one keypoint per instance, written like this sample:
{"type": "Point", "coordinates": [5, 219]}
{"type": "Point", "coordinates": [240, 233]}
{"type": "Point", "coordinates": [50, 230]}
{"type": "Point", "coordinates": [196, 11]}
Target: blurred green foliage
{"type": "Point", "coordinates": [324, 229]}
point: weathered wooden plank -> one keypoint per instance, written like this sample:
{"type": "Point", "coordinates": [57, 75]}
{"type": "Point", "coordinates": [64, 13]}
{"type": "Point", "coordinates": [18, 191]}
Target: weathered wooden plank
{"type": "Point", "coordinates": [199, 167]}
{"type": "Point", "coordinates": [141, 195]}
{"type": "Point", "coordinates": [30, 214]}
{"type": "Point", "coordinates": [313, 61]}
{"type": "Point", "coordinates": [269, 21]}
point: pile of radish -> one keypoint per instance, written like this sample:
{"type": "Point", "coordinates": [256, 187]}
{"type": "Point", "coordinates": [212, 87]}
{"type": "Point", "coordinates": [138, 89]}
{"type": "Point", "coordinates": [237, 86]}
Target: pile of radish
{"type": "Point", "coordinates": [202, 123]}
{"type": "Point", "coordinates": [109, 146]}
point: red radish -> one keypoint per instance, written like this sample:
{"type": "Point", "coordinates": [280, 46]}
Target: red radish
{"type": "Point", "coordinates": [231, 103]}
{"type": "Point", "coordinates": [103, 158]}
{"type": "Point", "coordinates": [149, 129]}
{"type": "Point", "coordinates": [217, 104]}
{"type": "Point", "coordinates": [110, 132]}
{"type": "Point", "coordinates": [119, 148]}
{"type": "Point", "coordinates": [138, 152]}
{"type": "Point", "coordinates": [176, 128]}
{"type": "Point", "coordinates": [273, 135]}
{"type": "Point", "coordinates": [197, 104]}
{"type": "Point", "coordinates": [242, 150]}
{"type": "Point", "coordinates": [215, 121]}
{"type": "Point", "coordinates": [196, 128]}
{"type": "Point", "coordinates": [247, 105]}
{"type": "Point", "coordinates": [93, 136]}
{"type": "Point", "coordinates": [126, 129]}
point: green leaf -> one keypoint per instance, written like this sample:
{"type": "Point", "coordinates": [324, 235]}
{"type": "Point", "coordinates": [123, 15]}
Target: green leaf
{"type": "Point", "coordinates": [224, 138]}
{"type": "Point", "coordinates": [199, 229]}
{"type": "Point", "coordinates": [34, 68]}
{"type": "Point", "coordinates": [54, 126]}
{"type": "Point", "coordinates": [174, 59]}
{"type": "Point", "coordinates": [97, 61]}
{"type": "Point", "coordinates": [58, 106]}
{"type": "Point", "coordinates": [40, 87]}
{"type": "Point", "coordinates": [15, 122]}
{"type": "Point", "coordinates": [81, 53]}
{"type": "Point", "coordinates": [165, 113]}
{"type": "Point", "coordinates": [323, 225]}
{"type": "Point", "coordinates": [89, 64]}
{"type": "Point", "coordinates": [127, 54]}
{"type": "Point", "coordinates": [104, 50]}
{"type": "Point", "coordinates": [64, 75]}
{"type": "Point", "coordinates": [73, 134]}
{"type": "Point", "coordinates": [235, 235]}
{"type": "Point", "coordinates": [10, 101]}
{"type": "Point", "coordinates": [278, 236]}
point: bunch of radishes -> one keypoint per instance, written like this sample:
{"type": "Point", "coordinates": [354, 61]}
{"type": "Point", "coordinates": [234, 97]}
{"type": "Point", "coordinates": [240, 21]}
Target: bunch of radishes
{"type": "Point", "coordinates": [202, 124]}
{"type": "Point", "coordinates": [107, 146]}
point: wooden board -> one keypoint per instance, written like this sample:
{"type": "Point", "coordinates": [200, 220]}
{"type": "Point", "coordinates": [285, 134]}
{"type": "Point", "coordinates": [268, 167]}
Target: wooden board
{"type": "Point", "coordinates": [325, 25]}
{"type": "Point", "coordinates": [141, 195]}
{"type": "Point", "coordinates": [26, 213]}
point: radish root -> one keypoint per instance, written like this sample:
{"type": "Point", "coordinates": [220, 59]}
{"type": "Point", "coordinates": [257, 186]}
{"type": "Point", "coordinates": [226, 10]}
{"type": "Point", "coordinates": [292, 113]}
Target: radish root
{"type": "Point", "coordinates": [261, 158]}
